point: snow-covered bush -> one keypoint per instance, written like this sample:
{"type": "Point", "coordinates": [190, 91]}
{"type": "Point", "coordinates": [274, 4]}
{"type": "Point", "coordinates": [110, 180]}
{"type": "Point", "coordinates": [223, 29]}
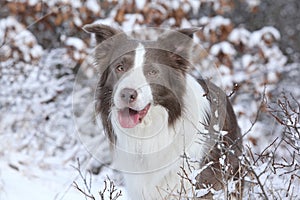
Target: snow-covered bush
{"type": "Point", "coordinates": [54, 18]}
{"type": "Point", "coordinates": [42, 46]}
{"type": "Point", "coordinates": [18, 44]}
{"type": "Point", "coordinates": [35, 96]}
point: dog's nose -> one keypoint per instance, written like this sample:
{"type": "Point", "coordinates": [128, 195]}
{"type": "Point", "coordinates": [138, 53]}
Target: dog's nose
{"type": "Point", "coordinates": [128, 95]}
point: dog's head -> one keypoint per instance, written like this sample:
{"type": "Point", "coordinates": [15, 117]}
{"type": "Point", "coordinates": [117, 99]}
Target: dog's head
{"type": "Point", "coordinates": [140, 78]}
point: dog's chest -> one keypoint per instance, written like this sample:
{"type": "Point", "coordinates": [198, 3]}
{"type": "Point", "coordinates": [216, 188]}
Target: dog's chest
{"type": "Point", "coordinates": [151, 154]}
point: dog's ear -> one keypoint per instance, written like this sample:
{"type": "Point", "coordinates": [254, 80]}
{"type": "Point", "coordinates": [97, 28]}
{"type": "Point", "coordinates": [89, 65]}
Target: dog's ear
{"type": "Point", "coordinates": [175, 35]}
{"type": "Point", "coordinates": [178, 41]}
{"type": "Point", "coordinates": [189, 31]}
{"type": "Point", "coordinates": [102, 32]}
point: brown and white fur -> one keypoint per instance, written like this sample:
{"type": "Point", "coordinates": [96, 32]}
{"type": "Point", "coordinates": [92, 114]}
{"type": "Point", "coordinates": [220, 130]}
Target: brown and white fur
{"type": "Point", "coordinates": [161, 121]}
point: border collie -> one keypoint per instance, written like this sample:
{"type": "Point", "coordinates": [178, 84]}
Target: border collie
{"type": "Point", "coordinates": [171, 133]}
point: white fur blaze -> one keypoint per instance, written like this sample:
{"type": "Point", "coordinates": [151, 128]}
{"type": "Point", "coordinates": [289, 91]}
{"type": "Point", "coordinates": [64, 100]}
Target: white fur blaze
{"type": "Point", "coordinates": [135, 79]}
{"type": "Point", "coordinates": [139, 56]}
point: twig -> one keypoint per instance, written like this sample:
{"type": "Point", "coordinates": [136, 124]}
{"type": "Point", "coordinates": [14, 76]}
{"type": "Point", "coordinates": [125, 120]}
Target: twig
{"type": "Point", "coordinates": [78, 169]}
{"type": "Point", "coordinates": [111, 189]}
{"type": "Point", "coordinates": [83, 192]}
{"type": "Point", "coordinates": [250, 168]}
{"type": "Point", "coordinates": [234, 90]}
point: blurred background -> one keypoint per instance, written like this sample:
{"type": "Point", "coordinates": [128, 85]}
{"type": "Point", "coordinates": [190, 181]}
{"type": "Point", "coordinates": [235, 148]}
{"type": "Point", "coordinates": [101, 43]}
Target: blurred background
{"type": "Point", "coordinates": [47, 133]}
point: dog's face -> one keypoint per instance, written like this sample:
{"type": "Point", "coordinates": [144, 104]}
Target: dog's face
{"type": "Point", "coordinates": [140, 77]}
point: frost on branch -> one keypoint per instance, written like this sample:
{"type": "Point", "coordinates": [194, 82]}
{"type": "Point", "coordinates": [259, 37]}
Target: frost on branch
{"type": "Point", "coordinates": [43, 45]}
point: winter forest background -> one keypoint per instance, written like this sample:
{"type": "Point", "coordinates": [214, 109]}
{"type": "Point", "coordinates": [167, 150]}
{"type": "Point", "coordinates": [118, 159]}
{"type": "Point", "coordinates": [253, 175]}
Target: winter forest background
{"type": "Point", "coordinates": [49, 136]}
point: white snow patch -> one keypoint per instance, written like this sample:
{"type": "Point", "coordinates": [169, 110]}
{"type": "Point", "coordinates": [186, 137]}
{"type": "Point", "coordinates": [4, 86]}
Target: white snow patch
{"type": "Point", "coordinates": [76, 43]}
{"type": "Point", "coordinates": [216, 127]}
{"type": "Point", "coordinates": [212, 24]}
{"type": "Point", "coordinates": [253, 3]}
{"type": "Point", "coordinates": [93, 5]}
{"type": "Point", "coordinates": [140, 4]}
{"type": "Point", "coordinates": [231, 187]}
{"type": "Point", "coordinates": [195, 6]}
{"type": "Point", "coordinates": [223, 133]}
{"type": "Point", "coordinates": [19, 41]}
{"type": "Point", "coordinates": [185, 23]}
{"type": "Point", "coordinates": [257, 36]}
{"type": "Point", "coordinates": [201, 192]}
{"type": "Point", "coordinates": [246, 60]}
{"type": "Point", "coordinates": [216, 113]}
{"type": "Point", "coordinates": [130, 22]}
{"type": "Point", "coordinates": [238, 35]}
{"type": "Point", "coordinates": [186, 7]}
{"type": "Point", "coordinates": [223, 47]}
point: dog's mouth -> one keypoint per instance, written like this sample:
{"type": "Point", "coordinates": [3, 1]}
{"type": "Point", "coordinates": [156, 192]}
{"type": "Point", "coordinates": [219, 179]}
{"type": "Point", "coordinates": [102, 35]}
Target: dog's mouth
{"type": "Point", "coordinates": [129, 118]}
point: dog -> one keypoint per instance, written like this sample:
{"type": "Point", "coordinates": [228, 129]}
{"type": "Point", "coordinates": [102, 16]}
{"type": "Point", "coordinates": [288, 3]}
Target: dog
{"type": "Point", "coordinates": [172, 134]}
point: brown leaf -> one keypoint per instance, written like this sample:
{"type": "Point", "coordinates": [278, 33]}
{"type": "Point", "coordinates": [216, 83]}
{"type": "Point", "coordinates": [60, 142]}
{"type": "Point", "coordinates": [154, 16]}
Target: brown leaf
{"type": "Point", "coordinates": [253, 140]}
{"type": "Point", "coordinates": [58, 20]}
{"type": "Point", "coordinates": [120, 16]}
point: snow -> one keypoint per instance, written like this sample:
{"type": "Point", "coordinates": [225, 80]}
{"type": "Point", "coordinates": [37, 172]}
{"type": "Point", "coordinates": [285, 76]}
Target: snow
{"type": "Point", "coordinates": [223, 47]}
{"type": "Point", "coordinates": [186, 7]}
{"type": "Point", "coordinates": [239, 35]}
{"type": "Point", "coordinates": [193, 175]}
{"type": "Point", "coordinates": [75, 4]}
{"type": "Point", "coordinates": [257, 36]}
{"type": "Point", "coordinates": [201, 192]}
{"type": "Point", "coordinates": [41, 136]}
{"type": "Point", "coordinates": [214, 22]}
{"type": "Point", "coordinates": [172, 4]}
{"type": "Point", "coordinates": [130, 22]}
{"type": "Point", "coordinates": [24, 42]}
{"type": "Point", "coordinates": [77, 21]}
{"type": "Point", "coordinates": [93, 5]}
{"type": "Point", "coordinates": [185, 24]}
{"type": "Point", "coordinates": [75, 42]}
{"type": "Point", "coordinates": [46, 185]}
{"type": "Point", "coordinates": [140, 4]}
{"type": "Point", "coordinates": [195, 6]}
{"type": "Point", "coordinates": [160, 8]}
{"type": "Point", "coordinates": [246, 60]}
{"type": "Point", "coordinates": [231, 187]}
{"type": "Point", "coordinates": [253, 3]}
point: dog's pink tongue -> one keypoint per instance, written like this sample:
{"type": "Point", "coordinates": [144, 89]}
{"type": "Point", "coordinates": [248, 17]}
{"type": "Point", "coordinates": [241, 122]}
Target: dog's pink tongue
{"type": "Point", "coordinates": [128, 118]}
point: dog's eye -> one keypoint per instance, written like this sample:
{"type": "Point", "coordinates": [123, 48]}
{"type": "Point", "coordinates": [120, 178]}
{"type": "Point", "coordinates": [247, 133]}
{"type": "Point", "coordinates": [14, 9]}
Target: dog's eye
{"type": "Point", "coordinates": [120, 68]}
{"type": "Point", "coordinates": [152, 72]}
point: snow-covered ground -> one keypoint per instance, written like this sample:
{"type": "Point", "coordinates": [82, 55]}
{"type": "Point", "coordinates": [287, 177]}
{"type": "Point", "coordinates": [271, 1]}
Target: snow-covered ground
{"type": "Point", "coordinates": [46, 97]}
{"type": "Point", "coordinates": [37, 183]}
{"type": "Point", "coordinates": [33, 183]}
